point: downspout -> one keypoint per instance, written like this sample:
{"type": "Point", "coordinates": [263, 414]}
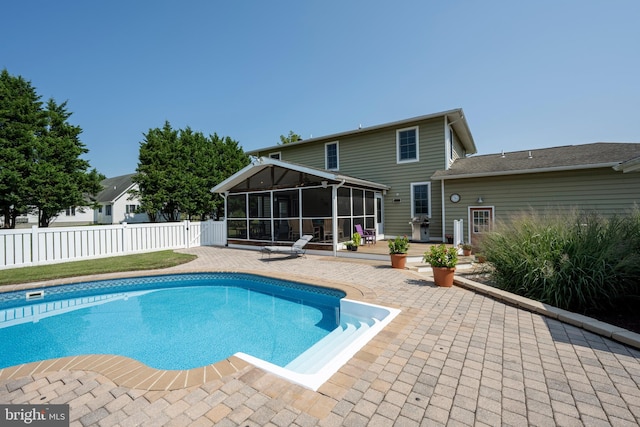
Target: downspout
{"type": "Point", "coordinates": [444, 214]}
{"type": "Point", "coordinates": [334, 215]}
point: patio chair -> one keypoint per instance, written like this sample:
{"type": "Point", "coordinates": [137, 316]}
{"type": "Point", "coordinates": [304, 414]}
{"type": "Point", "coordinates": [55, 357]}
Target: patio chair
{"type": "Point", "coordinates": [296, 249]}
{"type": "Point", "coordinates": [369, 236]}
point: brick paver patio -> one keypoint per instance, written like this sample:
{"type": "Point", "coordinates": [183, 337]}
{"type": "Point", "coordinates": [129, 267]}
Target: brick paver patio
{"type": "Point", "coordinates": [452, 357]}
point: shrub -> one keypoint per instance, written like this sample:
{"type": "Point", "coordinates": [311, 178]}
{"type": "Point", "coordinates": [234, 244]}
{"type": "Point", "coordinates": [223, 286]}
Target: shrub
{"type": "Point", "coordinates": [440, 256]}
{"type": "Point", "coordinates": [574, 261]}
{"type": "Point", "coordinates": [399, 245]}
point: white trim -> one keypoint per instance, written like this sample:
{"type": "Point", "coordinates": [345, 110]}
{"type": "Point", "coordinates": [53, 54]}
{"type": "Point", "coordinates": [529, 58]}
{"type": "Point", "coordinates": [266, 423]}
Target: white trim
{"type": "Point", "coordinates": [414, 184]}
{"type": "Point", "coordinates": [326, 166]}
{"type": "Point", "coordinates": [417, 159]}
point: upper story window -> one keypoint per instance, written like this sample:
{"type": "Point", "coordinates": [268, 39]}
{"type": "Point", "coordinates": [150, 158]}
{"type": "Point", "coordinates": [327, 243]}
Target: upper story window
{"type": "Point", "coordinates": [420, 199]}
{"type": "Point", "coordinates": [451, 143]}
{"type": "Point", "coordinates": [276, 156]}
{"type": "Point", "coordinates": [71, 211]}
{"type": "Point", "coordinates": [131, 209]}
{"type": "Point", "coordinates": [407, 145]}
{"type": "Point", "coordinates": [331, 157]}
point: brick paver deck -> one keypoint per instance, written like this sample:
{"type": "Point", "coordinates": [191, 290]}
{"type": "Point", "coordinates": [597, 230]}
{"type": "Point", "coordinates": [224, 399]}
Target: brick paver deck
{"type": "Point", "coordinates": [452, 357]}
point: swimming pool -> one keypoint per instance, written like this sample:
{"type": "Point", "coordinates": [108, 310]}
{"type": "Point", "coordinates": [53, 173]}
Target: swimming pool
{"type": "Point", "coordinates": [185, 321]}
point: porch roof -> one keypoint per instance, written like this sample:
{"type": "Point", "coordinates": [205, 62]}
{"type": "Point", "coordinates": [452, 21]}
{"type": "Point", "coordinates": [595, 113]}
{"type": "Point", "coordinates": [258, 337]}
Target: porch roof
{"type": "Point", "coordinates": [263, 163]}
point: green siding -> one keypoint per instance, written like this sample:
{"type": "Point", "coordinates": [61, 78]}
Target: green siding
{"type": "Point", "coordinates": [372, 156]}
{"type": "Point", "coordinates": [603, 190]}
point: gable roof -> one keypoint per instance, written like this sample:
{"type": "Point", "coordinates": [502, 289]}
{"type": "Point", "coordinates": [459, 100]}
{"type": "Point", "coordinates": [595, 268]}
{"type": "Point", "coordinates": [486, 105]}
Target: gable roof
{"type": "Point", "coordinates": [114, 188]}
{"type": "Point", "coordinates": [454, 117]}
{"type": "Point", "coordinates": [263, 163]}
{"type": "Point", "coordinates": [569, 157]}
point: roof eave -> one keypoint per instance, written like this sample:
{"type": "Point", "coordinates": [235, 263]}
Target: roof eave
{"type": "Point", "coordinates": [339, 135]}
{"type": "Point", "coordinates": [524, 171]}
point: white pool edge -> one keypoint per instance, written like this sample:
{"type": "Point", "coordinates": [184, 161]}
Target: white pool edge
{"type": "Point", "coordinates": [382, 317]}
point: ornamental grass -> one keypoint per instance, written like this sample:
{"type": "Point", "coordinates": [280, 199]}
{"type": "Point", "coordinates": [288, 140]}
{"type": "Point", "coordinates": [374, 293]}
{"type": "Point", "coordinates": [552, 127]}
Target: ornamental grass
{"type": "Point", "coordinates": [572, 260]}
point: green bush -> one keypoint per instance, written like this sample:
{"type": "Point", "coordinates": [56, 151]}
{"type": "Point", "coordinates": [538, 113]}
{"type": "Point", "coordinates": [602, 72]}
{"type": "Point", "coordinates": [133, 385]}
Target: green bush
{"type": "Point", "coordinates": [575, 261]}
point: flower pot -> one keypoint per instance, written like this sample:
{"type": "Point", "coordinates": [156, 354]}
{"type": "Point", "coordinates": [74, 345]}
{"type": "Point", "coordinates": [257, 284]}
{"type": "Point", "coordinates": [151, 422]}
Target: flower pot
{"type": "Point", "coordinates": [398, 260]}
{"type": "Point", "coordinates": [443, 276]}
{"type": "Point", "coordinates": [466, 252]}
{"type": "Point", "coordinates": [353, 248]}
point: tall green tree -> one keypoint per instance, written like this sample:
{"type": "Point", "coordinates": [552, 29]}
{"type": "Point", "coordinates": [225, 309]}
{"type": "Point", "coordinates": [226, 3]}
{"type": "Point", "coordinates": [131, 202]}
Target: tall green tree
{"type": "Point", "coordinates": [292, 137]}
{"type": "Point", "coordinates": [177, 169]}
{"type": "Point", "coordinates": [41, 169]}
{"type": "Point", "coordinates": [22, 121]}
{"type": "Point", "coordinates": [60, 177]}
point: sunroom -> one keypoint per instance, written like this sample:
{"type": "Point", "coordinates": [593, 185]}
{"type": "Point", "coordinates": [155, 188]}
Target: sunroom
{"type": "Point", "coordinates": [275, 202]}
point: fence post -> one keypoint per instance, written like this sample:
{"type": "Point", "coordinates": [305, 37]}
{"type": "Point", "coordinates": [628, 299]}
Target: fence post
{"type": "Point", "coordinates": [186, 234]}
{"type": "Point", "coordinates": [35, 250]}
{"type": "Point", "coordinates": [125, 239]}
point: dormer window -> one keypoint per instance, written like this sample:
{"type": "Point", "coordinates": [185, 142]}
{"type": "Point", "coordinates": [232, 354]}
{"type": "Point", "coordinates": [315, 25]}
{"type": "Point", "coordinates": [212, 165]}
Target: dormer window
{"type": "Point", "coordinates": [407, 145]}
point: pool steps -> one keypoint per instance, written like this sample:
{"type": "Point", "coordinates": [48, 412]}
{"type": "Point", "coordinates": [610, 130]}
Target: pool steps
{"type": "Point", "coordinates": [328, 347]}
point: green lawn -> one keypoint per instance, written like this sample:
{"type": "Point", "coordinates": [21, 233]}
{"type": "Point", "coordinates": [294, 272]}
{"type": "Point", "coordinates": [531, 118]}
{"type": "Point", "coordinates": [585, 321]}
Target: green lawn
{"type": "Point", "coordinates": [147, 261]}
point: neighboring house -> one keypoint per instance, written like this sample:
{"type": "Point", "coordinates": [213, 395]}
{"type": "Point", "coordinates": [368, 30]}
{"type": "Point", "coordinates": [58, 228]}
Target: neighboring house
{"type": "Point", "coordinates": [116, 204]}
{"type": "Point", "coordinates": [397, 177]}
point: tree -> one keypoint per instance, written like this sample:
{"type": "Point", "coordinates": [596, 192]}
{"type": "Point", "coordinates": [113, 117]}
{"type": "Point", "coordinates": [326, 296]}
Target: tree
{"type": "Point", "coordinates": [40, 166]}
{"type": "Point", "coordinates": [21, 122]}
{"type": "Point", "coordinates": [60, 178]}
{"type": "Point", "coordinates": [292, 137]}
{"type": "Point", "coordinates": [177, 169]}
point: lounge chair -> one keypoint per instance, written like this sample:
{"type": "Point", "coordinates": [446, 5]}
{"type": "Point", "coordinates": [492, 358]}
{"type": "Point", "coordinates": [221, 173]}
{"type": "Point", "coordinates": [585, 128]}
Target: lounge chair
{"type": "Point", "coordinates": [368, 236]}
{"type": "Point", "coordinates": [296, 249]}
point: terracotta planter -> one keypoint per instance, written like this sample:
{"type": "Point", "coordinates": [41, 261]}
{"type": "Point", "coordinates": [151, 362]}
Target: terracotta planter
{"type": "Point", "coordinates": [466, 252]}
{"type": "Point", "coordinates": [398, 260]}
{"type": "Point", "coordinates": [443, 276]}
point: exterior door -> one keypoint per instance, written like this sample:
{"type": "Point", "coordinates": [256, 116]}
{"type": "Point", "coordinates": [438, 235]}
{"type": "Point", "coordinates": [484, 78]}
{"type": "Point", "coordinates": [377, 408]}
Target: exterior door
{"type": "Point", "coordinates": [481, 220]}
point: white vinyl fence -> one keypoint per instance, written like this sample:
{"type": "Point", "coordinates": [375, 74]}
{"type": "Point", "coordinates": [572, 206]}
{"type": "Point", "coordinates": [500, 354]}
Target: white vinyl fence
{"type": "Point", "coordinates": [25, 247]}
{"type": "Point", "coordinates": [458, 232]}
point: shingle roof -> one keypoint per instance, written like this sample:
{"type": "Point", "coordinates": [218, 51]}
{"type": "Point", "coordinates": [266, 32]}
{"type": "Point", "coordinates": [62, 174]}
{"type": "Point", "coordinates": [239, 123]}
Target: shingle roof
{"type": "Point", "coordinates": [599, 154]}
{"type": "Point", "coordinates": [114, 187]}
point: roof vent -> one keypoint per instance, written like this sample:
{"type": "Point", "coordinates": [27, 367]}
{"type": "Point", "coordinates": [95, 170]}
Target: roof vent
{"type": "Point", "coordinates": [502, 155]}
{"type": "Point", "coordinates": [530, 156]}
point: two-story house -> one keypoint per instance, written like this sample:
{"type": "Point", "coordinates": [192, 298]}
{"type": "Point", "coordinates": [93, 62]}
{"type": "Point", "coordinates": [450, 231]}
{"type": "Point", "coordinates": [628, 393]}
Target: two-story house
{"type": "Point", "coordinates": [378, 177]}
{"type": "Point", "coordinates": [396, 177]}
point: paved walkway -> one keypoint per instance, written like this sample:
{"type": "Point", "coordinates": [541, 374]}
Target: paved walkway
{"type": "Point", "coordinates": [452, 357]}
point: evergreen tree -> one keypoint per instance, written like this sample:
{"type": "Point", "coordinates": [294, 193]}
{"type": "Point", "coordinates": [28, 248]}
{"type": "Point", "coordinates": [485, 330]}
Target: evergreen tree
{"type": "Point", "coordinates": [60, 178]}
{"type": "Point", "coordinates": [22, 121]}
{"type": "Point", "coordinates": [178, 168]}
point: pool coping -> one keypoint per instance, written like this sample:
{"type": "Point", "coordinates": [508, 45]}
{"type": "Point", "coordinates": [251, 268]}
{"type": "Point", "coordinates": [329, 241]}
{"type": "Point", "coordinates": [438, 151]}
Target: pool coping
{"type": "Point", "coordinates": [127, 372]}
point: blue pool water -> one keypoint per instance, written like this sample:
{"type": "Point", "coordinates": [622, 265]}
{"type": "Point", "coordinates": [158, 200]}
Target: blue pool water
{"type": "Point", "coordinates": [169, 322]}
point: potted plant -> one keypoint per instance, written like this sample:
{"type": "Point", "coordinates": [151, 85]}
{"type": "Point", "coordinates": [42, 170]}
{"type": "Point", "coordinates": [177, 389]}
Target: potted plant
{"type": "Point", "coordinates": [398, 248]}
{"type": "Point", "coordinates": [443, 262]}
{"type": "Point", "coordinates": [356, 239]}
{"type": "Point", "coordinates": [349, 245]}
{"type": "Point", "coordinates": [466, 249]}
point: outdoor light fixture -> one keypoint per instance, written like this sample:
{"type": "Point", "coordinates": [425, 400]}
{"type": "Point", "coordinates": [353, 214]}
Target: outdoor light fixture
{"type": "Point", "coordinates": [479, 199]}
{"type": "Point", "coordinates": [324, 184]}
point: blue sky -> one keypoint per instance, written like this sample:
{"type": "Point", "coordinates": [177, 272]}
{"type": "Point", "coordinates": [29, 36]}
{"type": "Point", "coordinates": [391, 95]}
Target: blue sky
{"type": "Point", "coordinates": [527, 74]}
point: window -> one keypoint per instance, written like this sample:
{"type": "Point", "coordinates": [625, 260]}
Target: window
{"type": "Point", "coordinates": [451, 143]}
{"type": "Point", "coordinates": [407, 145]}
{"type": "Point", "coordinates": [131, 209]}
{"type": "Point", "coordinates": [276, 156]}
{"type": "Point", "coordinates": [421, 199]}
{"type": "Point", "coordinates": [71, 211]}
{"type": "Point", "coordinates": [331, 156]}
{"type": "Point", "coordinates": [107, 210]}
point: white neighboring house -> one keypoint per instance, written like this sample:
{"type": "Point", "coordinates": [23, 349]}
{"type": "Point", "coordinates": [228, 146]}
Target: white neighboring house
{"type": "Point", "coordinates": [116, 204]}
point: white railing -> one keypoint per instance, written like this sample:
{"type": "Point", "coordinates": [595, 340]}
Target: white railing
{"type": "Point", "coordinates": [25, 247]}
{"type": "Point", "coordinates": [458, 232]}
